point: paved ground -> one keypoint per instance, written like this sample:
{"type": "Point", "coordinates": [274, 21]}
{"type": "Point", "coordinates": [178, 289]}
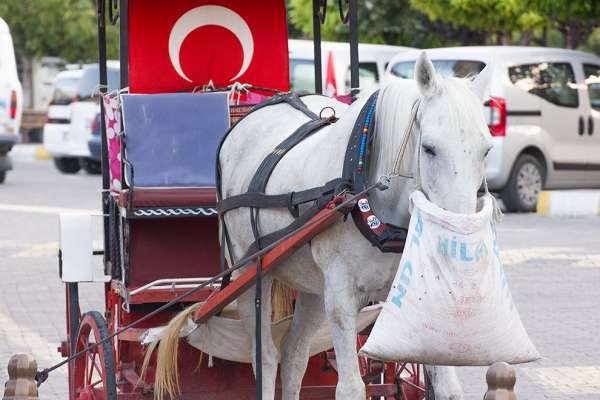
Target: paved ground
{"type": "Point", "coordinates": [553, 266]}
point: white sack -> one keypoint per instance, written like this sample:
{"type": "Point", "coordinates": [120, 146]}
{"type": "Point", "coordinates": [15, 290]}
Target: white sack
{"type": "Point", "coordinates": [450, 303]}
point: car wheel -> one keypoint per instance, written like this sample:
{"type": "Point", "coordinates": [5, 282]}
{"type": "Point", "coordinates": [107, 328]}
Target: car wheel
{"type": "Point", "coordinates": [67, 165]}
{"type": "Point", "coordinates": [2, 176]}
{"type": "Point", "coordinates": [90, 166]}
{"type": "Point", "coordinates": [524, 185]}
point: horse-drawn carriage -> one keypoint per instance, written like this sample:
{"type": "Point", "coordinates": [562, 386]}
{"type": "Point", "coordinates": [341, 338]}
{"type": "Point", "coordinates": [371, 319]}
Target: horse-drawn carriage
{"type": "Point", "coordinates": [160, 219]}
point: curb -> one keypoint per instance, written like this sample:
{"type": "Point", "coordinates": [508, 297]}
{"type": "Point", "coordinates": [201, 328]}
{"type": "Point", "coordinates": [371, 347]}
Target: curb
{"type": "Point", "coordinates": [42, 154]}
{"type": "Point", "coordinates": [569, 203]}
{"type": "Point", "coordinates": [29, 152]}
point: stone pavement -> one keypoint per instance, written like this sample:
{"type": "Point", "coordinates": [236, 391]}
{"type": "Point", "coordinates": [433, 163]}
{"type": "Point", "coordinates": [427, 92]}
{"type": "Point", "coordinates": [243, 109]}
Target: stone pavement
{"type": "Point", "coordinates": [553, 267]}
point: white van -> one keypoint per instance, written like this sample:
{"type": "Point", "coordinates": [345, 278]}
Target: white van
{"type": "Point", "coordinates": [58, 119]}
{"type": "Point", "coordinates": [70, 150]}
{"type": "Point", "coordinates": [11, 99]}
{"type": "Point", "coordinates": [544, 115]}
{"type": "Point", "coordinates": [335, 56]}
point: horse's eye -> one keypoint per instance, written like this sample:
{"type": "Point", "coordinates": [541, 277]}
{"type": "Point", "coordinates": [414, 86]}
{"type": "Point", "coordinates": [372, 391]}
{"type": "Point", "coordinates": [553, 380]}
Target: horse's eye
{"type": "Point", "coordinates": [487, 152]}
{"type": "Point", "coordinates": [429, 150]}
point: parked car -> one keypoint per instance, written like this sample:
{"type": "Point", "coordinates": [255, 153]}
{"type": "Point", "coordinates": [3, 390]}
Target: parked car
{"type": "Point", "coordinates": [58, 119]}
{"type": "Point", "coordinates": [72, 153]}
{"type": "Point", "coordinates": [95, 143]}
{"type": "Point", "coordinates": [336, 65]}
{"type": "Point", "coordinates": [11, 99]}
{"type": "Point", "coordinates": [543, 110]}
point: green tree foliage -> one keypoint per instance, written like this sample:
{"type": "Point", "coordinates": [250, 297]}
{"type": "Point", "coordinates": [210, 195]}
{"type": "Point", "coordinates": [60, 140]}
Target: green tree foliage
{"type": "Point", "coordinates": [518, 21]}
{"type": "Point", "coordinates": [499, 18]}
{"type": "Point", "coordinates": [380, 21]}
{"type": "Point", "coordinates": [574, 19]}
{"type": "Point", "coordinates": [63, 28]}
{"type": "Point", "coordinates": [592, 44]}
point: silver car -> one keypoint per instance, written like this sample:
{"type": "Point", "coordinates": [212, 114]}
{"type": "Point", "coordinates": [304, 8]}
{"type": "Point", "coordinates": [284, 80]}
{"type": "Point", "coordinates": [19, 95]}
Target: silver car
{"type": "Point", "coordinates": [543, 110]}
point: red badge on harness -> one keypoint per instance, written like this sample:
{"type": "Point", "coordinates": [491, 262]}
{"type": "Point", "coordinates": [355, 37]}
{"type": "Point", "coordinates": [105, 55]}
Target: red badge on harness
{"type": "Point", "coordinates": [193, 42]}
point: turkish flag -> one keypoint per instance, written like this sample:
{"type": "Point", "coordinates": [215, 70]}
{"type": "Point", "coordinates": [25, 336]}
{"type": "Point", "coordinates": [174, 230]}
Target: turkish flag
{"type": "Point", "coordinates": [183, 44]}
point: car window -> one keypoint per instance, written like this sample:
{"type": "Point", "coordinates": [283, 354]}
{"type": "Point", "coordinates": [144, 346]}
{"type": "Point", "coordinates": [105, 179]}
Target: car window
{"type": "Point", "coordinates": [367, 74]}
{"type": "Point", "coordinates": [64, 91]}
{"type": "Point", "coordinates": [554, 82]}
{"type": "Point", "coordinates": [457, 68]}
{"type": "Point", "coordinates": [592, 80]}
{"type": "Point", "coordinates": [88, 85]}
{"type": "Point", "coordinates": [302, 75]}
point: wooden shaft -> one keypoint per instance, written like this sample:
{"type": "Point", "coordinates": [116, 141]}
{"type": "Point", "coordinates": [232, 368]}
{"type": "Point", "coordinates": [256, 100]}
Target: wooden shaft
{"type": "Point", "coordinates": [269, 261]}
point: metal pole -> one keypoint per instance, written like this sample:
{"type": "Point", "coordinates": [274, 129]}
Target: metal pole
{"type": "Point", "coordinates": [124, 42]}
{"type": "Point", "coordinates": [258, 329]}
{"type": "Point", "coordinates": [104, 149]}
{"type": "Point", "coordinates": [353, 31]}
{"type": "Point", "coordinates": [72, 294]}
{"type": "Point", "coordinates": [317, 47]}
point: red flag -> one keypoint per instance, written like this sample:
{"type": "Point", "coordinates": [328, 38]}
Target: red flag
{"type": "Point", "coordinates": [330, 83]}
{"type": "Point", "coordinates": [188, 43]}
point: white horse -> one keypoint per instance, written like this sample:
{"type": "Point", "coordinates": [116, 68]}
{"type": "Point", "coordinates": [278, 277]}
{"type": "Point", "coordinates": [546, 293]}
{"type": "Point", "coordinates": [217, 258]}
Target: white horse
{"type": "Point", "coordinates": [339, 272]}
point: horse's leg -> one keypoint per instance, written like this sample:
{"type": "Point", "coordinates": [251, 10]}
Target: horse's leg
{"type": "Point", "coordinates": [444, 380]}
{"type": "Point", "coordinates": [269, 351]}
{"type": "Point", "coordinates": [341, 307]}
{"type": "Point", "coordinates": [309, 314]}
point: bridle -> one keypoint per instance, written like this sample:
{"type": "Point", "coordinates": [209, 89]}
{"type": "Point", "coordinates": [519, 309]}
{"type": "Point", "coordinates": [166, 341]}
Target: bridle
{"type": "Point", "coordinates": [408, 131]}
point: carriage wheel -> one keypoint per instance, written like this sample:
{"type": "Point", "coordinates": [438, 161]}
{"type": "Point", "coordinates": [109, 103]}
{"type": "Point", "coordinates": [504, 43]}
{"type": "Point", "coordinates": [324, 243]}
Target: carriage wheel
{"type": "Point", "coordinates": [94, 372]}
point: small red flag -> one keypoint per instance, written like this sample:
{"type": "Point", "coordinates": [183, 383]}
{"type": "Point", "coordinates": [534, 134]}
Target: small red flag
{"type": "Point", "coordinates": [330, 82]}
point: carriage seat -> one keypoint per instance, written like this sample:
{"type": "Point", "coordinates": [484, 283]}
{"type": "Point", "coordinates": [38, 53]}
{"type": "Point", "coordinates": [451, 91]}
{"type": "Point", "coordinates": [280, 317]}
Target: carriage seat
{"type": "Point", "coordinates": [171, 141]}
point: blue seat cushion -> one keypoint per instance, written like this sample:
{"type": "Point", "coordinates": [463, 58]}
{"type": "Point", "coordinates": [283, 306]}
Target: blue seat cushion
{"type": "Point", "coordinates": [172, 139]}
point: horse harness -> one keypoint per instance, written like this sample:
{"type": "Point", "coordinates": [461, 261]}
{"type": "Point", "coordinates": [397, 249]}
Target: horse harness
{"type": "Point", "coordinates": [386, 237]}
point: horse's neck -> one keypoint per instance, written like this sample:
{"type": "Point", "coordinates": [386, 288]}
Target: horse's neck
{"type": "Point", "coordinates": [392, 118]}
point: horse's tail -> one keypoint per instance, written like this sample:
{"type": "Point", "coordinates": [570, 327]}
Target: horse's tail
{"type": "Point", "coordinates": [282, 300]}
{"type": "Point", "coordinates": [166, 379]}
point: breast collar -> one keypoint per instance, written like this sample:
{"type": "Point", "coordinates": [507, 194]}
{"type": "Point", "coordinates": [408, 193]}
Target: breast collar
{"type": "Point", "coordinates": [388, 238]}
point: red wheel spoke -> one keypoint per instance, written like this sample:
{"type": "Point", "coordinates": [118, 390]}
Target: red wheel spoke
{"type": "Point", "coordinates": [90, 368]}
{"type": "Point", "coordinates": [409, 383]}
{"type": "Point", "coordinates": [402, 368]}
{"type": "Point", "coordinates": [98, 368]}
{"type": "Point", "coordinates": [96, 383]}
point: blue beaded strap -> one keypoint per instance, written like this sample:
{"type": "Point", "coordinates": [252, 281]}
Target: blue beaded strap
{"type": "Point", "coordinates": [362, 150]}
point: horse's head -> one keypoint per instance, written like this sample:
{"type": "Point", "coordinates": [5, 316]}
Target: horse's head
{"type": "Point", "coordinates": [454, 137]}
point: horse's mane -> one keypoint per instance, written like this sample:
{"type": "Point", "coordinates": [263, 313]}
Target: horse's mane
{"type": "Point", "coordinates": [395, 104]}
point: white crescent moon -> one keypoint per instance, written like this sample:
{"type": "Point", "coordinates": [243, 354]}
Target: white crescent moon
{"type": "Point", "coordinates": [210, 15]}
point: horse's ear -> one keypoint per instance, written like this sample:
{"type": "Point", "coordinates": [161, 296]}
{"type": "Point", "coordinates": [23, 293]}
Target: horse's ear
{"type": "Point", "coordinates": [482, 81]}
{"type": "Point", "coordinates": [425, 75]}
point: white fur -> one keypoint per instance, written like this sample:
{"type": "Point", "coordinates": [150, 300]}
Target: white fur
{"type": "Point", "coordinates": [340, 272]}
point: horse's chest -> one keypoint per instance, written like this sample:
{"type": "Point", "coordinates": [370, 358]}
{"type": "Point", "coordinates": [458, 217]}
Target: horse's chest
{"type": "Point", "coordinates": [342, 253]}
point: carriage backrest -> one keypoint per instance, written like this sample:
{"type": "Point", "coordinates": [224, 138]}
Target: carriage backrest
{"type": "Point", "coordinates": [171, 139]}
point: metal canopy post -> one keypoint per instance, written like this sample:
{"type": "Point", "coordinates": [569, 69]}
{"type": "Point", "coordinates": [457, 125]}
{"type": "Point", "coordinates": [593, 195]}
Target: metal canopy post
{"type": "Point", "coordinates": [353, 31]}
{"type": "Point", "coordinates": [103, 80]}
{"type": "Point", "coordinates": [258, 329]}
{"type": "Point", "coordinates": [317, 45]}
{"type": "Point", "coordinates": [124, 42]}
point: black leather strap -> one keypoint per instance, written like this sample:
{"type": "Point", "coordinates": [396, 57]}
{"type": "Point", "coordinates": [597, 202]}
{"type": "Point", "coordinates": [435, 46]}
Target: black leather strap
{"type": "Point", "coordinates": [272, 237]}
{"type": "Point", "coordinates": [293, 199]}
{"type": "Point", "coordinates": [290, 98]}
{"type": "Point", "coordinates": [260, 179]}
